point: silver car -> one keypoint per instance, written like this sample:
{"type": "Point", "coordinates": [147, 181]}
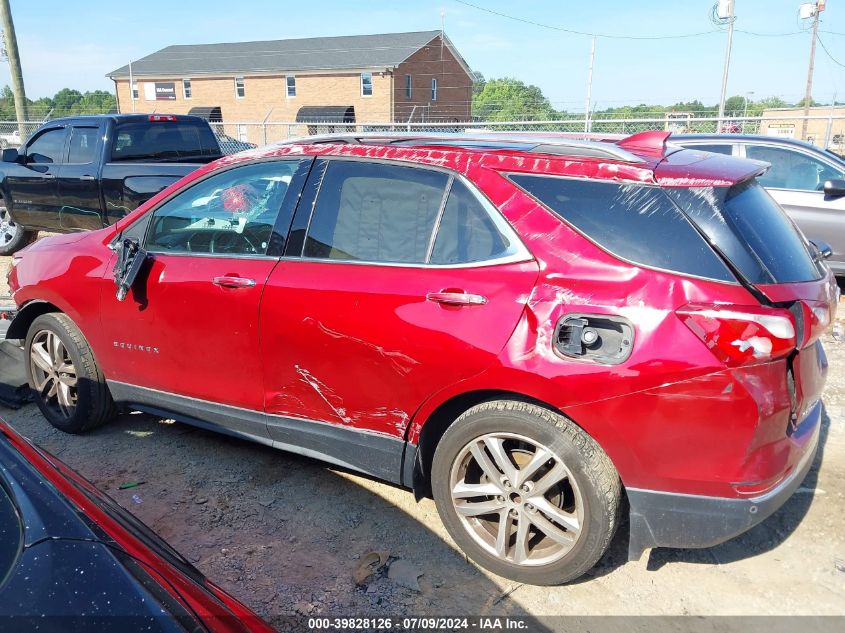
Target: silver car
{"type": "Point", "coordinates": [809, 183]}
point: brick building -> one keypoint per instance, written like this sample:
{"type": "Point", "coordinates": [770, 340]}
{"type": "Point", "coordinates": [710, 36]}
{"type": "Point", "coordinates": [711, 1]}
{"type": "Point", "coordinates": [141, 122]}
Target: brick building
{"type": "Point", "coordinates": [393, 77]}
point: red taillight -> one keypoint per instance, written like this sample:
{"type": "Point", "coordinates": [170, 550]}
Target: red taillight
{"type": "Point", "coordinates": [163, 117]}
{"type": "Point", "coordinates": [741, 335]}
{"type": "Point", "coordinates": [816, 317]}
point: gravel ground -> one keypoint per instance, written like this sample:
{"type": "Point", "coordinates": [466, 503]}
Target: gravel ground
{"type": "Point", "coordinates": [285, 534]}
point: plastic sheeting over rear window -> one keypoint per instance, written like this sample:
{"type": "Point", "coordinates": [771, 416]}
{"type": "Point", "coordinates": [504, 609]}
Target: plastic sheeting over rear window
{"type": "Point", "coordinates": [635, 222]}
{"type": "Point", "coordinates": [751, 230]}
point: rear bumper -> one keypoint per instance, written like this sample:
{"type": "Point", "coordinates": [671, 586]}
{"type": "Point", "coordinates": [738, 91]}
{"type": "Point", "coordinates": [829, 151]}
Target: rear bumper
{"type": "Point", "coordinates": [666, 519]}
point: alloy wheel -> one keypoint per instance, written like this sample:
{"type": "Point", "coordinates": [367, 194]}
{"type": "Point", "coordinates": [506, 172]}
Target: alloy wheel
{"type": "Point", "coordinates": [516, 499]}
{"type": "Point", "coordinates": [53, 373]}
{"type": "Point", "coordinates": [8, 229]}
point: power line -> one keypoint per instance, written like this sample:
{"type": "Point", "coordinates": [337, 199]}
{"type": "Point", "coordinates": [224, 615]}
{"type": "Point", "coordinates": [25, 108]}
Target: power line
{"type": "Point", "coordinates": [827, 52]}
{"type": "Point", "coordinates": [574, 32]}
{"type": "Point", "coordinates": [621, 37]}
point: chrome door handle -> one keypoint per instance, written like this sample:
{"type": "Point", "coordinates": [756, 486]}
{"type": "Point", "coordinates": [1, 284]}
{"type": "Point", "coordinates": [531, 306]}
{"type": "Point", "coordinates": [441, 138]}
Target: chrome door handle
{"type": "Point", "coordinates": [233, 282]}
{"type": "Point", "coordinates": [456, 298]}
{"type": "Point", "coordinates": [87, 178]}
{"type": "Point", "coordinates": [49, 176]}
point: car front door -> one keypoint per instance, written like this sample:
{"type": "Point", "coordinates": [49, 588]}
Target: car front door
{"type": "Point", "coordinates": [796, 181]}
{"type": "Point", "coordinates": [78, 185]}
{"type": "Point", "coordinates": [32, 181]}
{"type": "Point", "coordinates": [186, 335]}
{"type": "Point", "coordinates": [407, 281]}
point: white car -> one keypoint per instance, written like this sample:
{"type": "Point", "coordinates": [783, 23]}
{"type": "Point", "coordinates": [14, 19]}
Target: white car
{"type": "Point", "coordinates": [808, 182]}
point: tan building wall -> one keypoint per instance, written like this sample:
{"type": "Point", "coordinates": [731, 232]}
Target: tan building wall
{"type": "Point", "coordinates": [823, 132]}
{"type": "Point", "coordinates": [454, 86]}
{"type": "Point", "coordinates": [266, 98]}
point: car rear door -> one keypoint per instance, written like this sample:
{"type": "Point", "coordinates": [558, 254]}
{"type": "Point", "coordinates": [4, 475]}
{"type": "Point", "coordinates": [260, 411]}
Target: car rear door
{"type": "Point", "coordinates": [78, 183]}
{"type": "Point", "coordinates": [186, 336]}
{"type": "Point", "coordinates": [795, 180]}
{"type": "Point", "coordinates": [32, 183]}
{"type": "Point", "coordinates": [398, 281]}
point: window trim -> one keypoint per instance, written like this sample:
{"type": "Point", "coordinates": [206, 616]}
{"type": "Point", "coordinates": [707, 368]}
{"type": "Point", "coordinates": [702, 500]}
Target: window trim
{"type": "Point", "coordinates": [187, 89]}
{"type": "Point", "coordinates": [601, 247]}
{"type": "Point", "coordinates": [372, 90]}
{"type": "Point", "coordinates": [434, 88]}
{"type": "Point", "coordinates": [242, 81]}
{"type": "Point", "coordinates": [409, 87]}
{"type": "Point", "coordinates": [288, 94]}
{"type": "Point", "coordinates": [522, 254]}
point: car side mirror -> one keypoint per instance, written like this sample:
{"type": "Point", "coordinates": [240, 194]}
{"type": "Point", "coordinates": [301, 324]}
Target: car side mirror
{"type": "Point", "coordinates": [824, 249]}
{"type": "Point", "coordinates": [833, 187]}
{"type": "Point", "coordinates": [10, 155]}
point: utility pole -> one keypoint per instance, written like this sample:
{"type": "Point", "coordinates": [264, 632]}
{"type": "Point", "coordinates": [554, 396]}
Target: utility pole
{"type": "Point", "coordinates": [11, 42]}
{"type": "Point", "coordinates": [589, 86]}
{"type": "Point", "coordinates": [725, 13]}
{"type": "Point", "coordinates": [810, 10]}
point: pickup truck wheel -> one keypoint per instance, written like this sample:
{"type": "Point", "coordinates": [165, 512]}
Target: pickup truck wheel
{"type": "Point", "coordinates": [68, 386]}
{"type": "Point", "coordinates": [525, 492]}
{"type": "Point", "coordinates": [12, 237]}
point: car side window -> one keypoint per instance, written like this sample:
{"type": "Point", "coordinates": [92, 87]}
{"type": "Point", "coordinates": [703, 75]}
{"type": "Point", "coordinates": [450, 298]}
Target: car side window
{"type": "Point", "coordinates": [716, 148]}
{"type": "Point", "coordinates": [83, 145]}
{"type": "Point", "coordinates": [47, 148]}
{"type": "Point", "coordinates": [375, 212]}
{"type": "Point", "coordinates": [467, 231]}
{"type": "Point", "coordinates": [230, 213]}
{"type": "Point", "coordinates": [791, 169]}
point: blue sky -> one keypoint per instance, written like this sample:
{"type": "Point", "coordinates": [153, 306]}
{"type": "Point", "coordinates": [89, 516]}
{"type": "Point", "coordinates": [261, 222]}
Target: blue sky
{"type": "Point", "coordinates": [73, 44]}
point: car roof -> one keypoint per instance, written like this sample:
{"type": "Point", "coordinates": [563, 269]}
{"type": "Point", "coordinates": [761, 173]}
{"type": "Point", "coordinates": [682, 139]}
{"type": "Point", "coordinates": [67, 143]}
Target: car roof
{"type": "Point", "coordinates": [120, 118]}
{"type": "Point", "coordinates": [644, 157]}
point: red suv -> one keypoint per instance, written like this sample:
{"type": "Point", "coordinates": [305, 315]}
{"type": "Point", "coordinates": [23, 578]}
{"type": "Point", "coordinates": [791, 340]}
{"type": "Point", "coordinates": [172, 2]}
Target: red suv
{"type": "Point", "coordinates": [525, 329]}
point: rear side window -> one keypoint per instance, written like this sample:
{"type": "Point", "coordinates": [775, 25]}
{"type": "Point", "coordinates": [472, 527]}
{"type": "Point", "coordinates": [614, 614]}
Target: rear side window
{"type": "Point", "coordinates": [467, 232]}
{"type": "Point", "coordinates": [375, 213]}
{"type": "Point", "coordinates": [635, 222]}
{"type": "Point", "coordinates": [753, 232]}
{"type": "Point", "coordinates": [164, 140]}
{"type": "Point", "coordinates": [83, 145]}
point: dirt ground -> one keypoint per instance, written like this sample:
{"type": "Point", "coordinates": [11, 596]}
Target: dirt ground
{"type": "Point", "coordinates": [285, 533]}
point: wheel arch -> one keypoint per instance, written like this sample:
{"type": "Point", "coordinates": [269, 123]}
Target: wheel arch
{"type": "Point", "coordinates": [435, 425]}
{"type": "Point", "coordinates": [24, 318]}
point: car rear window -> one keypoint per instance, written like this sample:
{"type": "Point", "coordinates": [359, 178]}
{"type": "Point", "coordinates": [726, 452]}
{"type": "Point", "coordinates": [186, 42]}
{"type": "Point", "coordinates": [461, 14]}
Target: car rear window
{"type": "Point", "coordinates": [164, 140]}
{"type": "Point", "coordinates": [751, 230]}
{"type": "Point", "coordinates": [635, 222]}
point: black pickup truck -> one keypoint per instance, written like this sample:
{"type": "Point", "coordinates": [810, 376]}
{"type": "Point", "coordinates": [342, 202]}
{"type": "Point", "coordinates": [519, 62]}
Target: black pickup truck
{"type": "Point", "coordinates": [82, 173]}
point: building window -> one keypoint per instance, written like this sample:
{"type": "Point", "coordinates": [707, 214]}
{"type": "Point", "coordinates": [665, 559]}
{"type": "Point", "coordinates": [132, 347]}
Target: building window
{"type": "Point", "coordinates": [240, 89]}
{"type": "Point", "coordinates": [290, 81]}
{"type": "Point", "coordinates": [409, 90]}
{"type": "Point", "coordinates": [186, 88]}
{"type": "Point", "coordinates": [134, 91]}
{"type": "Point", "coordinates": [366, 84]}
{"type": "Point", "coordinates": [434, 90]}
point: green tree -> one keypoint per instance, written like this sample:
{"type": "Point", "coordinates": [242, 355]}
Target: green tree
{"type": "Point", "coordinates": [478, 82]}
{"type": "Point", "coordinates": [509, 99]}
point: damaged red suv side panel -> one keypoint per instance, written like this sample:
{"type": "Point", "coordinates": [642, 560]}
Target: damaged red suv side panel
{"type": "Point", "coordinates": [519, 326]}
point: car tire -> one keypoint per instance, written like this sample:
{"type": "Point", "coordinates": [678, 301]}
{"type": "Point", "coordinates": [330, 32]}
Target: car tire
{"type": "Point", "coordinates": [545, 522]}
{"type": "Point", "coordinates": [68, 385]}
{"type": "Point", "coordinates": [12, 237]}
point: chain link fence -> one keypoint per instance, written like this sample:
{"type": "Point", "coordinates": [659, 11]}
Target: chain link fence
{"type": "Point", "coordinates": [827, 132]}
